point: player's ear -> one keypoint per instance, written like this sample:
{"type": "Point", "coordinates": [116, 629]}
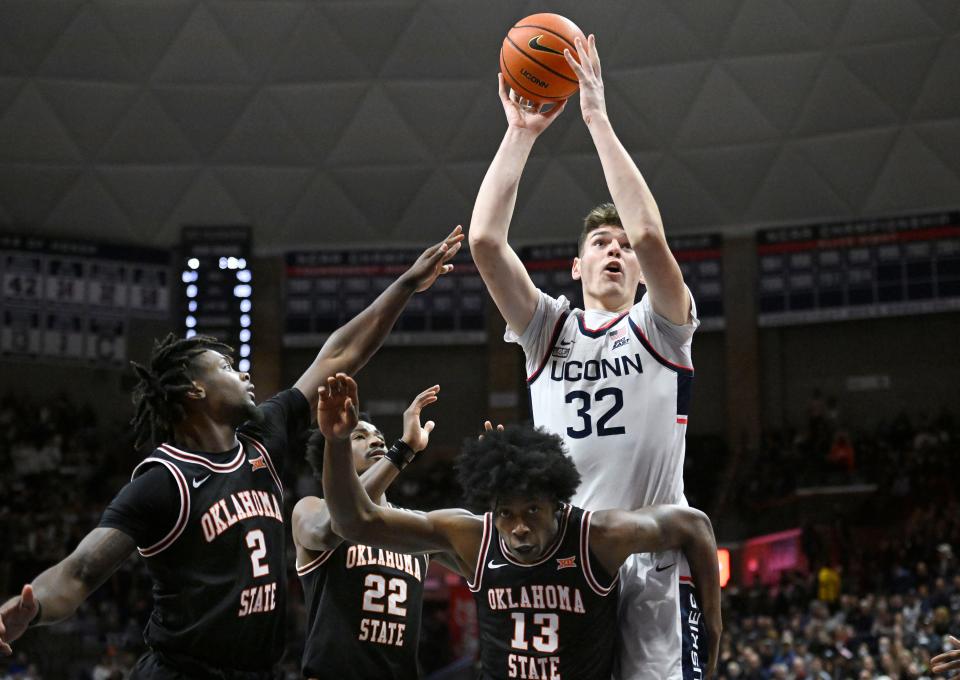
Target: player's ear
{"type": "Point", "coordinates": [575, 269]}
{"type": "Point", "coordinates": [196, 392]}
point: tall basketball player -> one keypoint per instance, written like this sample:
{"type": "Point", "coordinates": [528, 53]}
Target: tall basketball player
{"type": "Point", "coordinates": [205, 508]}
{"type": "Point", "coordinates": [614, 379]}
{"type": "Point", "coordinates": [544, 572]}
{"type": "Point", "coordinates": [363, 604]}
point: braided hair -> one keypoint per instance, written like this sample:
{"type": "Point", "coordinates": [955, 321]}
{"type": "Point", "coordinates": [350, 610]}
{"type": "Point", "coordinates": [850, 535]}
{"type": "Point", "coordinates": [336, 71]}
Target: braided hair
{"type": "Point", "coordinates": [157, 396]}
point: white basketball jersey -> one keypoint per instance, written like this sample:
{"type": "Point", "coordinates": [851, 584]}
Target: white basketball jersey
{"type": "Point", "coordinates": [618, 393]}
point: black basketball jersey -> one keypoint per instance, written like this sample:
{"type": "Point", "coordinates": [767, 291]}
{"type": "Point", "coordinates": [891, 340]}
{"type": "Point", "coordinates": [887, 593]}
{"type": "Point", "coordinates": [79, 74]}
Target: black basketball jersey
{"type": "Point", "coordinates": [219, 578]}
{"type": "Point", "coordinates": [555, 619]}
{"type": "Point", "coordinates": [363, 609]}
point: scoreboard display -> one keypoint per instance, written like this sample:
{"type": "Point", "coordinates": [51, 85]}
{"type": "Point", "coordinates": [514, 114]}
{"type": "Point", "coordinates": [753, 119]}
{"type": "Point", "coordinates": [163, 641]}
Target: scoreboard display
{"type": "Point", "coordinates": [325, 289]}
{"type": "Point", "coordinates": [73, 300]}
{"type": "Point", "coordinates": [861, 269]}
{"type": "Point", "coordinates": [217, 286]}
{"type": "Point", "coordinates": [699, 258]}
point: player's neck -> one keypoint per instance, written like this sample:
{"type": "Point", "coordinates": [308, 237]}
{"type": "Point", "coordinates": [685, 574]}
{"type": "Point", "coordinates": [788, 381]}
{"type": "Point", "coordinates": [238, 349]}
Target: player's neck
{"type": "Point", "coordinates": [608, 305]}
{"type": "Point", "coordinates": [200, 433]}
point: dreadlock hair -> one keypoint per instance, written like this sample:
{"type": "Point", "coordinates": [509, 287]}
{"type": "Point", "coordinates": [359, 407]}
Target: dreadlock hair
{"type": "Point", "coordinates": [157, 396]}
{"type": "Point", "coordinates": [523, 461]}
{"type": "Point", "coordinates": [315, 442]}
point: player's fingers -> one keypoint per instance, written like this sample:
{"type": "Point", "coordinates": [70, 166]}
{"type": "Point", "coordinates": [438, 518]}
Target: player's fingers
{"type": "Point", "coordinates": [452, 251]}
{"type": "Point", "coordinates": [574, 65]}
{"type": "Point", "coordinates": [428, 426]}
{"type": "Point", "coordinates": [488, 426]}
{"type": "Point", "coordinates": [594, 55]}
{"type": "Point", "coordinates": [27, 597]}
{"type": "Point", "coordinates": [582, 56]}
{"type": "Point", "coordinates": [499, 428]}
{"type": "Point", "coordinates": [5, 649]}
{"type": "Point", "coordinates": [556, 110]}
{"type": "Point", "coordinates": [502, 89]}
{"type": "Point", "coordinates": [954, 641]}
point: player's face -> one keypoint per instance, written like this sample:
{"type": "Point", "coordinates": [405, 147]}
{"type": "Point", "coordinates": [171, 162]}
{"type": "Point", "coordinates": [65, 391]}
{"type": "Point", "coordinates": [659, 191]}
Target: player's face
{"type": "Point", "coordinates": [227, 393]}
{"type": "Point", "coordinates": [367, 445]}
{"type": "Point", "coordinates": [608, 269]}
{"type": "Point", "coordinates": [528, 526]}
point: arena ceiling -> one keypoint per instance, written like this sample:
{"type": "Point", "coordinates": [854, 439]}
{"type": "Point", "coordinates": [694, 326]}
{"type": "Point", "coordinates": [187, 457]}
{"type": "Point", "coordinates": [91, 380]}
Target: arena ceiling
{"type": "Point", "coordinates": [359, 122]}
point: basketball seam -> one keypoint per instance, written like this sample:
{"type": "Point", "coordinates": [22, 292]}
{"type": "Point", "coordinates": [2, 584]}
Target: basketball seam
{"type": "Point", "coordinates": [541, 64]}
{"type": "Point", "coordinates": [548, 30]}
{"type": "Point", "coordinates": [503, 62]}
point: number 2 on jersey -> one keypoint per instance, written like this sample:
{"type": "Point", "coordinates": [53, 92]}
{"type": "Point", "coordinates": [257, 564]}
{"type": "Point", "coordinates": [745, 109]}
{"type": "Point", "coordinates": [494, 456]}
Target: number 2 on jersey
{"type": "Point", "coordinates": [583, 412]}
{"type": "Point", "coordinates": [258, 550]}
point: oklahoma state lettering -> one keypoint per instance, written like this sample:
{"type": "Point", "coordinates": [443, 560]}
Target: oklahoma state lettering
{"type": "Point", "coordinates": [226, 512]}
{"type": "Point", "coordinates": [537, 597]}
{"type": "Point", "coordinates": [363, 556]}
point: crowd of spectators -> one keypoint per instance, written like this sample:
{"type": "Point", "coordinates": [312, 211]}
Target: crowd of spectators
{"type": "Point", "coordinates": [881, 612]}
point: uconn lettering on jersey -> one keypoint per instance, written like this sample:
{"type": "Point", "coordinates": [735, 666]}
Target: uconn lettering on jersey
{"type": "Point", "coordinates": [239, 505]}
{"type": "Point", "coordinates": [595, 369]}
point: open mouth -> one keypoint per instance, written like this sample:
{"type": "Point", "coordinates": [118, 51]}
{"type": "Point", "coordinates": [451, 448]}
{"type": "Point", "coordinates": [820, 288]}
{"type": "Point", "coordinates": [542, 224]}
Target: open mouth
{"type": "Point", "coordinates": [613, 268]}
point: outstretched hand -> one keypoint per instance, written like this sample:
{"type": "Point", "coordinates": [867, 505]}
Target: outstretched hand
{"type": "Point", "coordinates": [948, 661]}
{"type": "Point", "coordinates": [523, 114]}
{"type": "Point", "coordinates": [433, 262]}
{"type": "Point", "coordinates": [15, 616]}
{"type": "Point", "coordinates": [488, 427]}
{"type": "Point", "coordinates": [417, 436]}
{"type": "Point", "coordinates": [338, 410]}
{"type": "Point", "coordinates": [592, 102]}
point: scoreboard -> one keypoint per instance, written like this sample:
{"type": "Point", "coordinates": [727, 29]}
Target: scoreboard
{"type": "Point", "coordinates": [217, 286]}
{"type": "Point", "coordinates": [73, 300]}
{"type": "Point", "coordinates": [699, 257]}
{"type": "Point", "coordinates": [859, 269]}
{"type": "Point", "coordinates": [325, 289]}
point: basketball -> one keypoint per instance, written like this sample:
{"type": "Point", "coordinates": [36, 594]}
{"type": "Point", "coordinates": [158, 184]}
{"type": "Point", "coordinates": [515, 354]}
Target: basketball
{"type": "Point", "coordinates": [532, 61]}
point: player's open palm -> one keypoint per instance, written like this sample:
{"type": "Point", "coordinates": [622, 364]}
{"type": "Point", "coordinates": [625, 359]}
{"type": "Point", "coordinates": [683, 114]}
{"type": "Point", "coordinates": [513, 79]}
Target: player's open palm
{"type": "Point", "coordinates": [433, 262]}
{"type": "Point", "coordinates": [15, 615]}
{"type": "Point", "coordinates": [592, 102]}
{"type": "Point", "coordinates": [417, 436]}
{"type": "Point", "coordinates": [524, 114]}
{"type": "Point", "coordinates": [338, 408]}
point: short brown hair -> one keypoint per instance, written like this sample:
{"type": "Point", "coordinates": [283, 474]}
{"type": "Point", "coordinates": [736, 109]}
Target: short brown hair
{"type": "Point", "coordinates": [604, 214]}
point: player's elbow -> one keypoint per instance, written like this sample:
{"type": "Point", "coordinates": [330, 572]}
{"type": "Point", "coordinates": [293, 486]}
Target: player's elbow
{"type": "Point", "coordinates": [483, 242]}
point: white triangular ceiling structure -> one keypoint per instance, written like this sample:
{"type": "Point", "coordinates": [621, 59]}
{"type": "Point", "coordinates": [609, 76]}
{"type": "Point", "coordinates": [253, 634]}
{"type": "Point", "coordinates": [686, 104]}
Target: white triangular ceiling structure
{"type": "Point", "coordinates": [334, 122]}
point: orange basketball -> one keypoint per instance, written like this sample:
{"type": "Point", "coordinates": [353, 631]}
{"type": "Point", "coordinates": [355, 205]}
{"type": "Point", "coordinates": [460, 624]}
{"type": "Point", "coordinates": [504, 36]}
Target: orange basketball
{"type": "Point", "coordinates": [532, 61]}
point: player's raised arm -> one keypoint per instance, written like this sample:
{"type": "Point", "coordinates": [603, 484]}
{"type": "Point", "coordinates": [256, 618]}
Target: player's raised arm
{"type": "Point", "coordinates": [503, 273]}
{"type": "Point", "coordinates": [616, 534]}
{"type": "Point", "coordinates": [350, 347]}
{"type": "Point", "coordinates": [312, 527]}
{"type": "Point", "coordinates": [634, 201]}
{"type": "Point", "coordinates": [57, 592]}
{"type": "Point", "coordinates": [356, 518]}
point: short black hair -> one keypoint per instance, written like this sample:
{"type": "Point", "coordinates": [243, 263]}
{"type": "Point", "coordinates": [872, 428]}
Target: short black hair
{"type": "Point", "coordinates": [523, 461]}
{"type": "Point", "coordinates": [168, 376]}
{"type": "Point", "coordinates": [604, 215]}
{"type": "Point", "coordinates": [315, 444]}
